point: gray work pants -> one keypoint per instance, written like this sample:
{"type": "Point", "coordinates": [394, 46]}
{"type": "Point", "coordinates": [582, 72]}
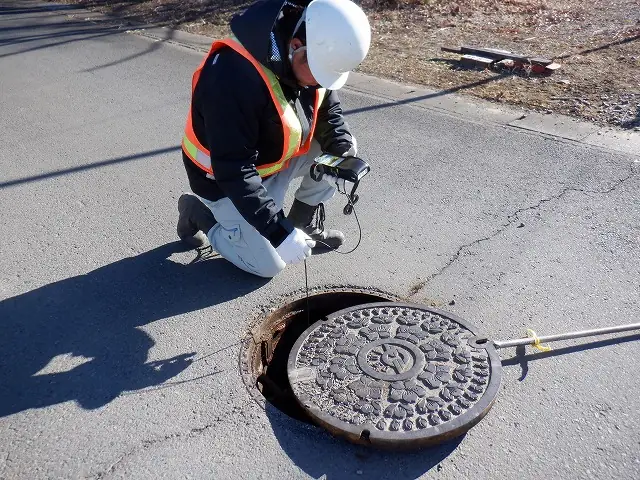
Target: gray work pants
{"type": "Point", "coordinates": [239, 242]}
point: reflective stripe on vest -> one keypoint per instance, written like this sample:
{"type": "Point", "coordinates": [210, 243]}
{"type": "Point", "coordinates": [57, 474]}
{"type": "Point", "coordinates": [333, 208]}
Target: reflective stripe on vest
{"type": "Point", "coordinates": [292, 130]}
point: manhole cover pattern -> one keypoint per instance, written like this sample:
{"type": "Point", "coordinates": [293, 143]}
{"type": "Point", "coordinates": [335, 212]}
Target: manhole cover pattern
{"type": "Point", "coordinates": [400, 369]}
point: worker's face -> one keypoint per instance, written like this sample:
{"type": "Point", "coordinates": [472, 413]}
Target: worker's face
{"type": "Point", "coordinates": [300, 66]}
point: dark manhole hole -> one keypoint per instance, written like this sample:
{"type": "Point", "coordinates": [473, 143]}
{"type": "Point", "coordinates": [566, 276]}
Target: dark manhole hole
{"type": "Point", "coordinates": [394, 375]}
{"type": "Point", "coordinates": [265, 352]}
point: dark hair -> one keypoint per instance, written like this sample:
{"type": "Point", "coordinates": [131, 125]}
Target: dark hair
{"type": "Point", "coordinates": [287, 23]}
{"type": "Point", "coordinates": [301, 33]}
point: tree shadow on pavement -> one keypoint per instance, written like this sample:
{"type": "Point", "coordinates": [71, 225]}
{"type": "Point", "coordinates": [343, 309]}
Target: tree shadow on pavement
{"type": "Point", "coordinates": [441, 93]}
{"type": "Point", "coordinates": [168, 12]}
{"type": "Point", "coordinates": [25, 9]}
{"type": "Point", "coordinates": [150, 49]}
{"type": "Point", "coordinates": [320, 455]}
{"type": "Point", "coordinates": [58, 29]}
{"type": "Point", "coordinates": [88, 166]}
{"type": "Point", "coordinates": [67, 38]}
{"type": "Point", "coordinates": [37, 29]}
{"type": "Point", "coordinates": [601, 47]}
{"type": "Point", "coordinates": [97, 316]}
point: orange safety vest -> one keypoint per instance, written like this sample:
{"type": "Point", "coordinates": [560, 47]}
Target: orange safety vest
{"type": "Point", "coordinates": [292, 130]}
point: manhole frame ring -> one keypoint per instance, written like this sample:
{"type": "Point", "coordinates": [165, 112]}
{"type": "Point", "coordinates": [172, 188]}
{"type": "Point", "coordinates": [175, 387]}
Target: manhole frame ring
{"type": "Point", "coordinates": [249, 341]}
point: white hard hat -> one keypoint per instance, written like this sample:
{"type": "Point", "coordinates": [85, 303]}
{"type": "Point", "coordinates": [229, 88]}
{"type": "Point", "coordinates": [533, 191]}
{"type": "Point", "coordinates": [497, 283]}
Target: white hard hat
{"type": "Point", "coordinates": [338, 39]}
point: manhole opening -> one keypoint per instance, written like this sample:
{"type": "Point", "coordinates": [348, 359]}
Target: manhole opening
{"type": "Point", "coordinates": [273, 339]}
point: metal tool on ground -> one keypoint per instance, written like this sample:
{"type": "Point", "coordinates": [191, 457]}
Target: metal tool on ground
{"type": "Point", "coordinates": [536, 341]}
{"type": "Point", "coordinates": [399, 375]}
{"type": "Point", "coordinates": [477, 57]}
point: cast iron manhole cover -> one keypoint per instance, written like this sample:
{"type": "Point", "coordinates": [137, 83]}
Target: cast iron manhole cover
{"type": "Point", "coordinates": [394, 375]}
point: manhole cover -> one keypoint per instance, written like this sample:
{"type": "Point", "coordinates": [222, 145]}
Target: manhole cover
{"type": "Point", "coordinates": [265, 350]}
{"type": "Point", "coordinates": [394, 375]}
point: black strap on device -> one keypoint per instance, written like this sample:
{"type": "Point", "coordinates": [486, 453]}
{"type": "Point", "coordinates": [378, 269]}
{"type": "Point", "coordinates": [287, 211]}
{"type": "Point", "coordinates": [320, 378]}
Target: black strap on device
{"type": "Point", "coordinates": [349, 169]}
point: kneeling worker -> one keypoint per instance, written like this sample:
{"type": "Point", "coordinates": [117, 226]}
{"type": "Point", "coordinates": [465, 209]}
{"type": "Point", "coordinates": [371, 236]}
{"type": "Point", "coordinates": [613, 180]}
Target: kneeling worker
{"type": "Point", "coordinates": [264, 106]}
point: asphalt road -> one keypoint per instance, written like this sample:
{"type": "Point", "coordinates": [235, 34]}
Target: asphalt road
{"type": "Point", "coordinates": [119, 358]}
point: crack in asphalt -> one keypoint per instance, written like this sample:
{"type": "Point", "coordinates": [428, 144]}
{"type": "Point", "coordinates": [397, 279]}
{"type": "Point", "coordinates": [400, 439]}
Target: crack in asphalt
{"type": "Point", "coordinates": [146, 444]}
{"type": "Point", "coordinates": [511, 219]}
{"type": "Point", "coordinates": [114, 465]}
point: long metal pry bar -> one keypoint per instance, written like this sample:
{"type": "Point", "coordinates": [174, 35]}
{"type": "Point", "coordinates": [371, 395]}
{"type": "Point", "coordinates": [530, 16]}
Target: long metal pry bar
{"type": "Point", "coordinates": [565, 336]}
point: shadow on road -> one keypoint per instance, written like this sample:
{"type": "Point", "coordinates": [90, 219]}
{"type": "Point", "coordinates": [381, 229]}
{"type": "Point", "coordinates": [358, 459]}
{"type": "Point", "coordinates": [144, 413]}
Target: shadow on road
{"type": "Point", "coordinates": [90, 166]}
{"type": "Point", "coordinates": [56, 31]}
{"type": "Point", "coordinates": [121, 14]}
{"type": "Point", "coordinates": [77, 36]}
{"type": "Point", "coordinates": [22, 10]}
{"type": "Point", "coordinates": [317, 453]}
{"type": "Point", "coordinates": [32, 28]}
{"type": "Point", "coordinates": [168, 12]}
{"type": "Point", "coordinates": [397, 103]}
{"type": "Point", "coordinates": [95, 319]}
{"type": "Point", "coordinates": [150, 49]}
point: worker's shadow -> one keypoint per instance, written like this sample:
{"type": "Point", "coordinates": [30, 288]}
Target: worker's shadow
{"type": "Point", "coordinates": [96, 316]}
{"type": "Point", "coordinates": [321, 455]}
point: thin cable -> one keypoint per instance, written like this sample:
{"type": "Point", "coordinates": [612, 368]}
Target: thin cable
{"type": "Point", "coordinates": [359, 229]}
{"type": "Point", "coordinates": [306, 274]}
{"type": "Point", "coordinates": [306, 284]}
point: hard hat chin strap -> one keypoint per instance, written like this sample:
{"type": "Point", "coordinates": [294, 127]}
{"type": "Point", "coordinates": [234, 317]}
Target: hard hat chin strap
{"type": "Point", "coordinates": [292, 52]}
{"type": "Point", "coordinates": [303, 17]}
{"type": "Point", "coordinates": [301, 20]}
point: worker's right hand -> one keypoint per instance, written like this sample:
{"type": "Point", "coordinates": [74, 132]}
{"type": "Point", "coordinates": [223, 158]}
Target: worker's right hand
{"type": "Point", "coordinates": [340, 183]}
{"type": "Point", "coordinates": [296, 247]}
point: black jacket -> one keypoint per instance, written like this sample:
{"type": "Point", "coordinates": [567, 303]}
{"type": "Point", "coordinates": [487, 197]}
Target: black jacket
{"type": "Point", "coordinates": [234, 117]}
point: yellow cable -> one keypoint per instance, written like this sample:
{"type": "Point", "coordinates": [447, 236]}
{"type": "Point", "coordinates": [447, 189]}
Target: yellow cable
{"type": "Point", "coordinates": [536, 341]}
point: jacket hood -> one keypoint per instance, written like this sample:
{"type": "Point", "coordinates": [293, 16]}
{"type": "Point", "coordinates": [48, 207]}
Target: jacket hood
{"type": "Point", "coordinates": [265, 29]}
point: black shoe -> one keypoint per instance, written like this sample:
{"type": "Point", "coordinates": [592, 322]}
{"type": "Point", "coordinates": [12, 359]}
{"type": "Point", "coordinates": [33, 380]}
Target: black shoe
{"type": "Point", "coordinates": [194, 220]}
{"type": "Point", "coordinates": [310, 220]}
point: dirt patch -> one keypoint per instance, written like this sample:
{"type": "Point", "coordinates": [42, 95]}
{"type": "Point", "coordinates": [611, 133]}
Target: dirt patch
{"type": "Point", "coordinates": [597, 43]}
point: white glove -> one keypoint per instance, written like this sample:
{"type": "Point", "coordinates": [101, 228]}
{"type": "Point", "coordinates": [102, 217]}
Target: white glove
{"type": "Point", "coordinates": [341, 184]}
{"type": "Point", "coordinates": [296, 247]}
